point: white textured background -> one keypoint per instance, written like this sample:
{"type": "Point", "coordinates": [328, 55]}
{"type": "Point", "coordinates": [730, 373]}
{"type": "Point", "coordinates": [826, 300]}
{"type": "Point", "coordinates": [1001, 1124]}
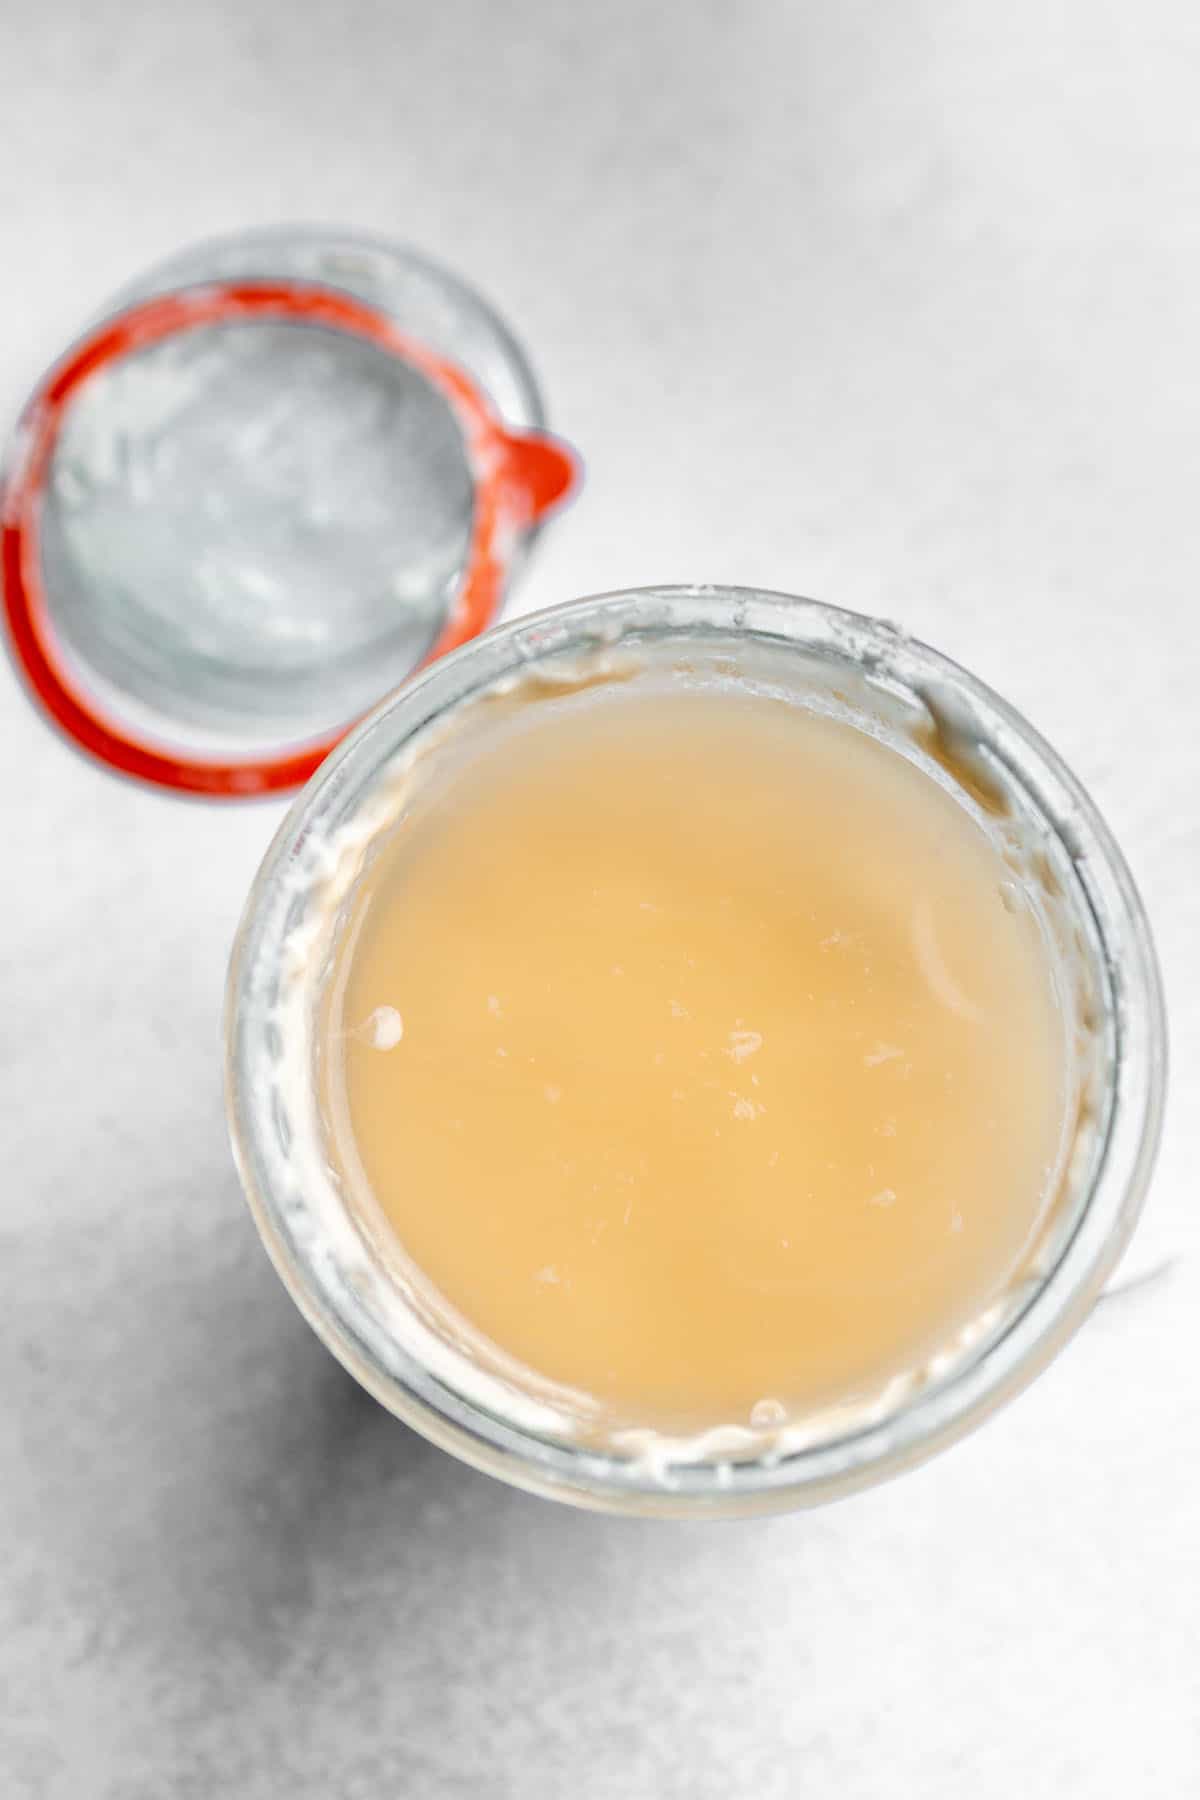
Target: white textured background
{"type": "Point", "coordinates": [894, 304]}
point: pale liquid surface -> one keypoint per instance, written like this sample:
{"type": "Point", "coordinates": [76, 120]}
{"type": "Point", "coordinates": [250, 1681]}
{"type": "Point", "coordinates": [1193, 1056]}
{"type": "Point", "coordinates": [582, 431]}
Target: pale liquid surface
{"type": "Point", "coordinates": [694, 1048]}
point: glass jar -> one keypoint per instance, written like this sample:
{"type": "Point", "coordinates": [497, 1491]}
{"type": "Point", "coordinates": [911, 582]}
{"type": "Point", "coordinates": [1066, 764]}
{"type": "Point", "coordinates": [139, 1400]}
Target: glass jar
{"type": "Point", "coordinates": [278, 473]}
{"type": "Point", "coordinates": [1020, 792]}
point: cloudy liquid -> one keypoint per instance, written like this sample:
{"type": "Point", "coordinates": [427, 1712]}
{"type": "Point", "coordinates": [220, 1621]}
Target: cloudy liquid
{"type": "Point", "coordinates": [699, 1051]}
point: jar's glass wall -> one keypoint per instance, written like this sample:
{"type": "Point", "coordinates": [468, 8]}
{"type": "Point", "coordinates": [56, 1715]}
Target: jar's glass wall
{"type": "Point", "coordinates": [346, 1290]}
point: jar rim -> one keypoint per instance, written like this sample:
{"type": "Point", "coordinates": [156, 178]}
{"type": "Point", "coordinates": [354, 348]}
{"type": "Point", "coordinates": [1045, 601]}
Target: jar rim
{"type": "Point", "coordinates": [934, 1415]}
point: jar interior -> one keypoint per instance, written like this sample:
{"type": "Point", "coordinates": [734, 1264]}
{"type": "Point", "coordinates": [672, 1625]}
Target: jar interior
{"type": "Point", "coordinates": [248, 524]}
{"type": "Point", "coordinates": [398, 1317]}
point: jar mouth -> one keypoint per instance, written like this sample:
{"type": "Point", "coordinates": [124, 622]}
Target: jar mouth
{"type": "Point", "coordinates": [275, 973]}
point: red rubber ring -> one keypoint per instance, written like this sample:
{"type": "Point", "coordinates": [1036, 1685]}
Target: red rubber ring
{"type": "Point", "coordinates": [517, 478]}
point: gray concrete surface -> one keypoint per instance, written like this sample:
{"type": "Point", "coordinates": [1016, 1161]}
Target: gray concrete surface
{"type": "Point", "coordinates": [895, 305]}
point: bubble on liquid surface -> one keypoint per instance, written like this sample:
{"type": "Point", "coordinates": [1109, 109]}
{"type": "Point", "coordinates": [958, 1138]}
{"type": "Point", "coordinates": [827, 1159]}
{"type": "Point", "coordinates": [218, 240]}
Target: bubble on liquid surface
{"type": "Point", "coordinates": [386, 1028]}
